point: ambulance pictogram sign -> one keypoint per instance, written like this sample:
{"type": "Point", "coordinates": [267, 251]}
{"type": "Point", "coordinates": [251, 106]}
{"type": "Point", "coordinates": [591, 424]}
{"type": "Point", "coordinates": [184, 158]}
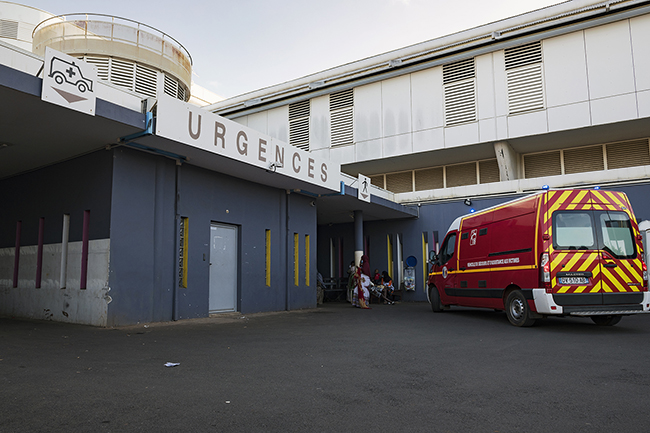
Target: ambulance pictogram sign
{"type": "Point", "coordinates": [69, 82]}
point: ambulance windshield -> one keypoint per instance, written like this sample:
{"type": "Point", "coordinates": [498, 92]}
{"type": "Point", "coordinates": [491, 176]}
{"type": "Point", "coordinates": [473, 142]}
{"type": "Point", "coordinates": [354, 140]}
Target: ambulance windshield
{"type": "Point", "coordinates": [590, 230]}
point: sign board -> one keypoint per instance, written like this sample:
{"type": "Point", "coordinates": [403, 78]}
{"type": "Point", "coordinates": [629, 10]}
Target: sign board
{"type": "Point", "coordinates": [194, 126]}
{"type": "Point", "coordinates": [363, 191]}
{"type": "Point", "coordinates": [69, 82]}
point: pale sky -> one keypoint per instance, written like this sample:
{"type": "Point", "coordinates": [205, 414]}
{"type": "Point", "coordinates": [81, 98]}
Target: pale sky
{"type": "Point", "coordinates": [239, 46]}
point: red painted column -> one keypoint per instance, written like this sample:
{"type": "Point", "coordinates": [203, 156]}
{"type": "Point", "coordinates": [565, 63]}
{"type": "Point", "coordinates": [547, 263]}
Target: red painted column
{"type": "Point", "coordinates": [84, 251]}
{"type": "Point", "coordinates": [19, 225]}
{"type": "Point", "coordinates": [39, 256]}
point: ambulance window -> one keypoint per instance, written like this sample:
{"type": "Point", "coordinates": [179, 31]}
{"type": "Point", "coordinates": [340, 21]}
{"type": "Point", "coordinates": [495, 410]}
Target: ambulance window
{"type": "Point", "coordinates": [573, 230]}
{"type": "Point", "coordinates": [447, 250]}
{"type": "Point", "coordinates": [616, 232]}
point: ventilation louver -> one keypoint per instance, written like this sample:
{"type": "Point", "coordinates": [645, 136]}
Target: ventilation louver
{"type": "Point", "coordinates": [459, 80]}
{"type": "Point", "coordinates": [342, 117]}
{"type": "Point", "coordinates": [524, 78]}
{"type": "Point", "coordinates": [542, 164]}
{"type": "Point", "coordinates": [9, 29]}
{"type": "Point", "coordinates": [299, 124]}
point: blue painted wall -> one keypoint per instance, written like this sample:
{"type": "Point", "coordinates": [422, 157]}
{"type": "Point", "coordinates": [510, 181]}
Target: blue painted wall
{"type": "Point", "coordinates": [70, 187]}
{"type": "Point", "coordinates": [433, 217]}
{"type": "Point", "coordinates": [144, 239]}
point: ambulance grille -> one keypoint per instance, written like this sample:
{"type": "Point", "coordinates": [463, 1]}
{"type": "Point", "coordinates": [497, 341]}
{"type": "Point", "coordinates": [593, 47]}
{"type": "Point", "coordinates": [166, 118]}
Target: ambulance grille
{"type": "Point", "coordinates": [429, 178]}
{"type": "Point", "coordinates": [583, 159]}
{"type": "Point", "coordinates": [542, 164]}
{"type": "Point", "coordinates": [461, 174]}
{"type": "Point", "coordinates": [400, 182]}
{"type": "Point", "coordinates": [488, 171]}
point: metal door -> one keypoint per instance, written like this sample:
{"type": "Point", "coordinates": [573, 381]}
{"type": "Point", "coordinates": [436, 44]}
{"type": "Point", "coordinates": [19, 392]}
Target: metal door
{"type": "Point", "coordinates": [223, 268]}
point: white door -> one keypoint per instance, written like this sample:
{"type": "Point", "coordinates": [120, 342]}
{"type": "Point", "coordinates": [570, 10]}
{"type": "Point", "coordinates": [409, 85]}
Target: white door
{"type": "Point", "coordinates": [223, 268]}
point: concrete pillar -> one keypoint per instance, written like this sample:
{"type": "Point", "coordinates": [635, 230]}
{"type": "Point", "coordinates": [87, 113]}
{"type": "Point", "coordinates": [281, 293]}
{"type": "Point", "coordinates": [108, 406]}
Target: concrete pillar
{"type": "Point", "coordinates": [358, 236]}
{"type": "Point", "coordinates": [508, 161]}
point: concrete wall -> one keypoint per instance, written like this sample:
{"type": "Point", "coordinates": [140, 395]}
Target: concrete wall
{"type": "Point", "coordinates": [71, 187]}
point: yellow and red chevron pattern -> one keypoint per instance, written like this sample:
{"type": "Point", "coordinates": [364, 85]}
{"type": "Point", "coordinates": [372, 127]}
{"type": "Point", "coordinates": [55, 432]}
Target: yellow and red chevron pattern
{"type": "Point", "coordinates": [624, 275]}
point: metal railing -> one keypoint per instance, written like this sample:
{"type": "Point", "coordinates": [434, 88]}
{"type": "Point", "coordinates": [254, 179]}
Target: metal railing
{"type": "Point", "coordinates": [68, 29]}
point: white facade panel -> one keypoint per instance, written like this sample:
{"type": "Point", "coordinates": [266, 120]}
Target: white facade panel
{"type": "Point", "coordinates": [258, 121]}
{"type": "Point", "coordinates": [485, 86]}
{"type": "Point", "coordinates": [500, 88]}
{"type": "Point", "coordinates": [396, 105]}
{"type": "Point", "coordinates": [397, 145]}
{"type": "Point", "coordinates": [614, 109]}
{"type": "Point", "coordinates": [565, 69]}
{"type": "Point", "coordinates": [461, 135]}
{"type": "Point", "coordinates": [343, 154]}
{"type": "Point", "coordinates": [609, 60]}
{"type": "Point", "coordinates": [502, 127]}
{"type": "Point", "coordinates": [244, 121]}
{"type": "Point", "coordinates": [367, 150]}
{"type": "Point", "coordinates": [569, 116]}
{"type": "Point", "coordinates": [427, 99]}
{"type": "Point", "coordinates": [640, 30]}
{"type": "Point", "coordinates": [643, 101]}
{"type": "Point", "coordinates": [527, 124]}
{"type": "Point", "coordinates": [319, 130]}
{"type": "Point", "coordinates": [487, 130]}
{"type": "Point", "coordinates": [367, 112]}
{"type": "Point", "coordinates": [429, 139]}
{"type": "Point", "coordinates": [278, 123]}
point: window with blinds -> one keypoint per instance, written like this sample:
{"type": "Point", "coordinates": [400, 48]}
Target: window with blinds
{"type": "Point", "coordinates": [377, 181]}
{"type": "Point", "coordinates": [610, 156]}
{"type": "Point", "coordinates": [459, 85]}
{"type": "Point", "coordinates": [429, 178]}
{"type": "Point", "coordinates": [299, 124]}
{"type": "Point", "coordinates": [524, 78]}
{"type": "Point", "coordinates": [542, 164]}
{"type": "Point", "coordinates": [342, 117]}
{"type": "Point", "coordinates": [400, 182]}
{"type": "Point", "coordinates": [628, 154]}
{"type": "Point", "coordinates": [461, 174]}
{"type": "Point", "coordinates": [488, 171]}
{"type": "Point", "coordinates": [583, 159]}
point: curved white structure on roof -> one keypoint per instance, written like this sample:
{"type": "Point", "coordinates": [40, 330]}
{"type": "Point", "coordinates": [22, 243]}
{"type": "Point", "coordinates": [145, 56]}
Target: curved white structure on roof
{"type": "Point", "coordinates": [126, 53]}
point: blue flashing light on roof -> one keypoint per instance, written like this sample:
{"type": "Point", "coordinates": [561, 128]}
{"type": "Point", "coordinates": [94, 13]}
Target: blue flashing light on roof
{"type": "Point", "coordinates": [472, 210]}
{"type": "Point", "coordinates": [596, 187]}
{"type": "Point", "coordinates": [546, 187]}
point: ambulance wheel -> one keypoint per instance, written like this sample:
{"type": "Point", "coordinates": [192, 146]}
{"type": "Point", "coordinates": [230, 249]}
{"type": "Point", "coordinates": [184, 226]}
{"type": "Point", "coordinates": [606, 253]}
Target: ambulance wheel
{"type": "Point", "coordinates": [434, 298]}
{"type": "Point", "coordinates": [606, 320]}
{"type": "Point", "coordinates": [517, 309]}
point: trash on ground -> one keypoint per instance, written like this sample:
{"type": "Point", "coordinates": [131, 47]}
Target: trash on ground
{"type": "Point", "coordinates": [172, 364]}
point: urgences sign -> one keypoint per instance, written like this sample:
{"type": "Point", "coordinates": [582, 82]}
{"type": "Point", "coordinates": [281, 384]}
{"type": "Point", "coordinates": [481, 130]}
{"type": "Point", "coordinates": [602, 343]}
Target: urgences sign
{"type": "Point", "coordinates": [193, 126]}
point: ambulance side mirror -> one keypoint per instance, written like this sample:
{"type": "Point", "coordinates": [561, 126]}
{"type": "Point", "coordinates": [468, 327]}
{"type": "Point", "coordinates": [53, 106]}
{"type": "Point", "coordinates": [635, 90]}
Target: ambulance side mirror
{"type": "Point", "coordinates": [433, 257]}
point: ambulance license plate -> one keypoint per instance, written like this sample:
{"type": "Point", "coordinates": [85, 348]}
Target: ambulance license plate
{"type": "Point", "coordinates": [574, 280]}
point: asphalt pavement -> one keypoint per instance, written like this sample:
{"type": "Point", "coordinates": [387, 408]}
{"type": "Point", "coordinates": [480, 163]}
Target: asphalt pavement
{"type": "Point", "coordinates": [394, 368]}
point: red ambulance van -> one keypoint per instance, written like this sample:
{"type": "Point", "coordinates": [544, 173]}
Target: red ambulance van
{"type": "Point", "coordinates": [557, 252]}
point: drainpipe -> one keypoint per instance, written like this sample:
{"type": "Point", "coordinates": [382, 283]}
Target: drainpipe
{"type": "Point", "coordinates": [177, 219]}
